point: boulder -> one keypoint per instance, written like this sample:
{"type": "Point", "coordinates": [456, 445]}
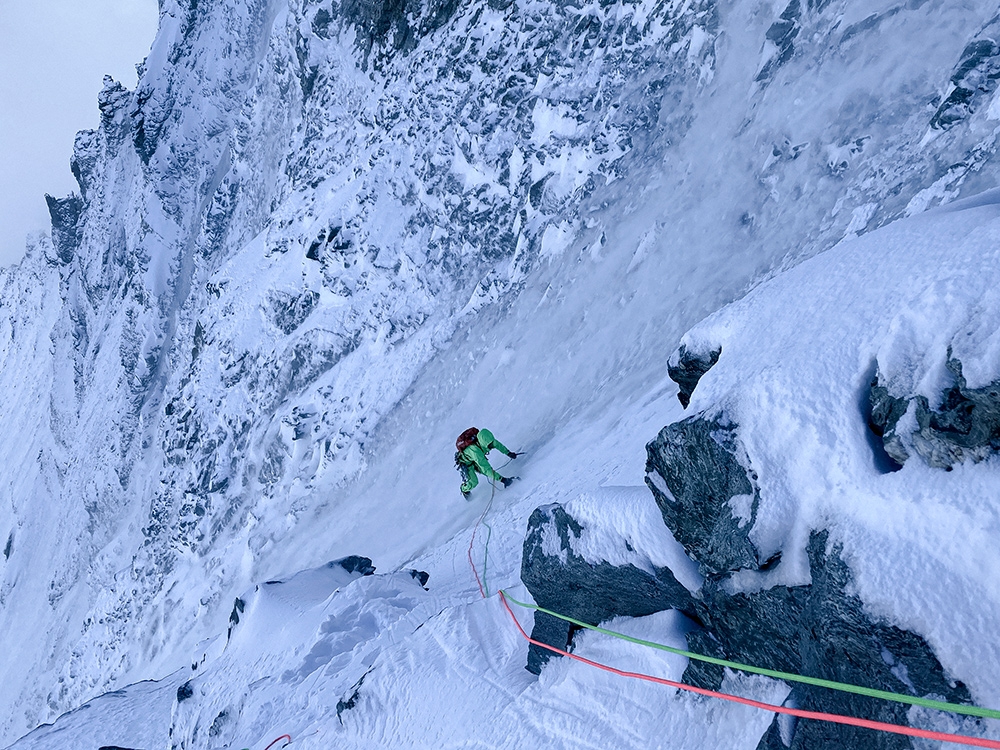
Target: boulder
{"type": "Point", "coordinates": [698, 473]}
{"type": "Point", "coordinates": [592, 591]}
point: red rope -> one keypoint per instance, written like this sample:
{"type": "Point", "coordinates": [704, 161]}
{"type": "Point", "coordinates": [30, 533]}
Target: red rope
{"type": "Point", "coordinates": [878, 726]}
{"type": "Point", "coordinates": [285, 737]}
{"type": "Point", "coordinates": [834, 718]}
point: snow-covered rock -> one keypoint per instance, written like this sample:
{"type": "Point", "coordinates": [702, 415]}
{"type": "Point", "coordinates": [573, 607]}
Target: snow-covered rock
{"type": "Point", "coordinates": [320, 239]}
{"type": "Point", "coordinates": [593, 591]}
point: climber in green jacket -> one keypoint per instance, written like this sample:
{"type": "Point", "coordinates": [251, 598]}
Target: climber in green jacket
{"type": "Point", "coordinates": [473, 445]}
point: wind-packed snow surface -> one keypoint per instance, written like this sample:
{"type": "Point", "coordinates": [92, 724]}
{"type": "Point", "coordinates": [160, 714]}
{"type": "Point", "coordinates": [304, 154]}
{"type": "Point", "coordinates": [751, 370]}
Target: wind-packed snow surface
{"type": "Point", "coordinates": [319, 240]}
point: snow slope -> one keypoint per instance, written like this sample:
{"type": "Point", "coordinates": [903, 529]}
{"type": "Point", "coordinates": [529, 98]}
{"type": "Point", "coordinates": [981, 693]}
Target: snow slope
{"type": "Point", "coordinates": [314, 245]}
{"type": "Point", "coordinates": [442, 667]}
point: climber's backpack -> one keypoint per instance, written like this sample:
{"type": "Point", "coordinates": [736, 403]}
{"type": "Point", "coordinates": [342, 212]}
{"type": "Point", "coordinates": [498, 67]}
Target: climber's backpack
{"type": "Point", "coordinates": [467, 438]}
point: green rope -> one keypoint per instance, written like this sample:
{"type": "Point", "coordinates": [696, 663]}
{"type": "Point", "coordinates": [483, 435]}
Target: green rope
{"type": "Point", "coordinates": [986, 713]}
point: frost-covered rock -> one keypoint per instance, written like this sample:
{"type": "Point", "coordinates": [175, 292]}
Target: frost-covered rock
{"type": "Point", "coordinates": [963, 423]}
{"type": "Point", "coordinates": [819, 629]}
{"type": "Point", "coordinates": [687, 367]}
{"type": "Point", "coordinates": [891, 333]}
{"type": "Point", "coordinates": [706, 490]}
{"type": "Point", "coordinates": [563, 580]}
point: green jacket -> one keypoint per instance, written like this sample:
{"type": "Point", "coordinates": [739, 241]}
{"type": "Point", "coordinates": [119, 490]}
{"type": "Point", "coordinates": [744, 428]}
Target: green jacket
{"type": "Point", "coordinates": [475, 454]}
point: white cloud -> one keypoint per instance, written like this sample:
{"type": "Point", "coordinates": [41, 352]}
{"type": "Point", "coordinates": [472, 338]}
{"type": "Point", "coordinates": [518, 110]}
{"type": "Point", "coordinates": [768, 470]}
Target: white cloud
{"type": "Point", "coordinates": [54, 56]}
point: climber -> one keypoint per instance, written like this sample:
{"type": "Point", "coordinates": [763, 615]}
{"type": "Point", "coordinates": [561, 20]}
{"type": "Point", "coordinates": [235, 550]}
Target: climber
{"type": "Point", "coordinates": [473, 445]}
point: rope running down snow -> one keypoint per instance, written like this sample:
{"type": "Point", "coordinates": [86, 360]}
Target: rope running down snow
{"type": "Point", "coordinates": [986, 713]}
{"type": "Point", "coordinates": [833, 718]}
{"type": "Point", "coordinates": [482, 583]}
{"type": "Point", "coordinates": [282, 737]}
{"type": "Point", "coordinates": [799, 713]}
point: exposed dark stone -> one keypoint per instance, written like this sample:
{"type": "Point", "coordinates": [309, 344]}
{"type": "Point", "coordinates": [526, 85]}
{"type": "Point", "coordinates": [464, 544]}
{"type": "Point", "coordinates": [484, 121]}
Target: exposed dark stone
{"type": "Point", "coordinates": [184, 692]}
{"type": "Point", "coordinates": [782, 34]}
{"type": "Point", "coordinates": [239, 606]}
{"type": "Point", "coordinates": [10, 546]}
{"type": "Point", "coordinates": [111, 100]}
{"type": "Point", "coordinates": [321, 23]}
{"type": "Point", "coordinates": [975, 79]}
{"type": "Point", "coordinates": [219, 724]}
{"type": "Point", "coordinates": [84, 160]}
{"type": "Point", "coordinates": [966, 425]}
{"type": "Point", "coordinates": [314, 248]}
{"type": "Point", "coordinates": [327, 238]}
{"type": "Point", "coordinates": [289, 311]}
{"type": "Point", "coordinates": [536, 191]}
{"type": "Point", "coordinates": [308, 80]}
{"type": "Point", "coordinates": [114, 747]}
{"type": "Point", "coordinates": [354, 564]}
{"type": "Point", "coordinates": [700, 673]}
{"type": "Point", "coordinates": [820, 630]}
{"type": "Point", "coordinates": [145, 130]}
{"type": "Point", "coordinates": [689, 369]}
{"type": "Point", "coordinates": [347, 705]}
{"type": "Point", "coordinates": [886, 411]}
{"type": "Point", "coordinates": [695, 469]}
{"type": "Point", "coordinates": [591, 592]}
{"type": "Point", "coordinates": [395, 25]}
{"type": "Point", "coordinates": [352, 700]}
{"type": "Point", "coordinates": [65, 214]}
{"type": "Point", "coordinates": [380, 23]}
{"type": "Point", "coordinates": [421, 577]}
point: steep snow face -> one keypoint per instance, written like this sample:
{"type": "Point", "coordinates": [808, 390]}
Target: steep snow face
{"type": "Point", "coordinates": [320, 238]}
{"type": "Point", "coordinates": [377, 660]}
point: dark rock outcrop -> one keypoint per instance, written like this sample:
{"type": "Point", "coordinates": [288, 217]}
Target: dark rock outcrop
{"type": "Point", "coordinates": [395, 25]}
{"type": "Point", "coordinates": [354, 564]}
{"type": "Point", "coordinates": [699, 475]}
{"type": "Point", "coordinates": [289, 311]}
{"type": "Point", "coordinates": [65, 214]}
{"type": "Point", "coordinates": [689, 369]}
{"type": "Point", "coordinates": [973, 81]}
{"type": "Point", "coordinates": [239, 607]}
{"type": "Point", "coordinates": [886, 411]}
{"type": "Point", "coordinates": [184, 692]}
{"type": "Point", "coordinates": [820, 630]}
{"type": "Point", "coordinates": [592, 592]}
{"type": "Point", "coordinates": [420, 576]}
{"type": "Point", "coordinates": [966, 424]}
{"type": "Point", "coordinates": [350, 701]}
{"type": "Point", "coordinates": [782, 35]}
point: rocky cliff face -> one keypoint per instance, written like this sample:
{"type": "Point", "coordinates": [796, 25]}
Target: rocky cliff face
{"type": "Point", "coordinates": [819, 629]}
{"type": "Point", "coordinates": [793, 512]}
{"type": "Point", "coordinates": [303, 201]}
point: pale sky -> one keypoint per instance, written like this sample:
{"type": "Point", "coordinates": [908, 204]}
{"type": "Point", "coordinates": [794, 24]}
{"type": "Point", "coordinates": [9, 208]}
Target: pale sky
{"type": "Point", "coordinates": [53, 58]}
